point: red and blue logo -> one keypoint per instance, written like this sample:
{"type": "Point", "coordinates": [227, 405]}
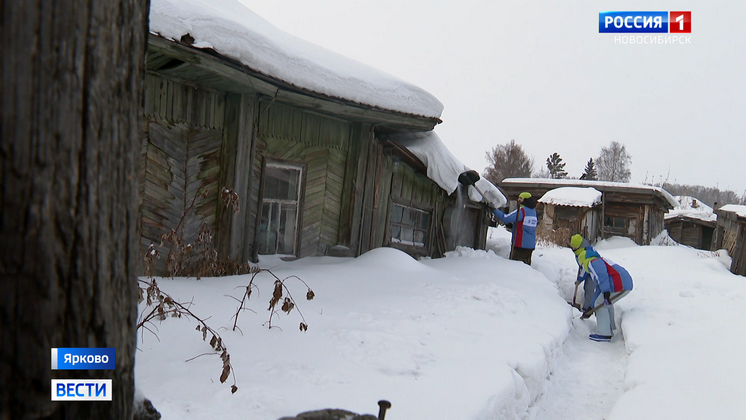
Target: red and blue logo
{"type": "Point", "coordinates": [645, 22]}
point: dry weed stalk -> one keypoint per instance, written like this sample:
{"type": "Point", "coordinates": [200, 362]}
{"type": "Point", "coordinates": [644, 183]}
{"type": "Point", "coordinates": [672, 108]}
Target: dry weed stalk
{"type": "Point", "coordinates": [164, 306]}
{"type": "Point", "coordinates": [288, 302]}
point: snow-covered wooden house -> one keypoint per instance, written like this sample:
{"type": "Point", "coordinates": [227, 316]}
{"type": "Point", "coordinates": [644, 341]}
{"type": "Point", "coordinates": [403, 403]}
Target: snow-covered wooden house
{"type": "Point", "coordinates": [304, 136]}
{"type": "Point", "coordinates": [635, 211]}
{"type": "Point", "coordinates": [570, 210]}
{"type": "Point", "coordinates": [691, 223]}
{"type": "Point", "coordinates": [730, 235]}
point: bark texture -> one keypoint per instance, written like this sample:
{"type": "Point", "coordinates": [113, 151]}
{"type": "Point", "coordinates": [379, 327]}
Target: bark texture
{"type": "Point", "coordinates": [72, 78]}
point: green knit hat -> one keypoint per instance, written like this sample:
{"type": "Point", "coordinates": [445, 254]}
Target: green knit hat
{"type": "Point", "coordinates": [576, 241]}
{"type": "Point", "coordinates": [524, 195]}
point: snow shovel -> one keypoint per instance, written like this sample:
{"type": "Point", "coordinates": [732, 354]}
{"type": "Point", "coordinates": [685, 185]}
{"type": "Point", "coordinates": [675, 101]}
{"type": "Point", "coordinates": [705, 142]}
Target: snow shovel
{"type": "Point", "coordinates": [574, 304]}
{"type": "Point", "coordinates": [587, 314]}
{"type": "Point", "coordinates": [470, 178]}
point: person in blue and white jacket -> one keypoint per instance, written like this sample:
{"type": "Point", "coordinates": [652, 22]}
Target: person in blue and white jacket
{"type": "Point", "coordinates": [612, 282]}
{"type": "Point", "coordinates": [524, 222]}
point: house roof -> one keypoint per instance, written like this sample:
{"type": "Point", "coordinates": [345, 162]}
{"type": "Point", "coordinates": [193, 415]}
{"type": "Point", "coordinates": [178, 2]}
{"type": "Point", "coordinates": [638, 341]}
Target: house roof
{"type": "Point", "coordinates": [739, 210]}
{"type": "Point", "coordinates": [443, 167]}
{"type": "Point", "coordinates": [572, 196]}
{"type": "Point", "coordinates": [691, 208]}
{"type": "Point", "coordinates": [603, 186]}
{"type": "Point", "coordinates": [230, 29]}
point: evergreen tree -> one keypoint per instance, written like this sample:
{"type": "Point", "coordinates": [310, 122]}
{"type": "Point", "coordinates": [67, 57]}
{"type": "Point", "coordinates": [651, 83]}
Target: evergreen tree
{"type": "Point", "coordinates": [589, 172]}
{"type": "Point", "coordinates": [556, 167]}
{"type": "Point", "coordinates": [508, 161]}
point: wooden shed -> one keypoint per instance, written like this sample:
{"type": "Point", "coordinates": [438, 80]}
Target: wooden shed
{"type": "Point", "coordinates": [570, 210]}
{"type": "Point", "coordinates": [730, 235]}
{"type": "Point", "coordinates": [313, 171]}
{"type": "Point", "coordinates": [630, 210]}
{"type": "Point", "coordinates": [691, 223]}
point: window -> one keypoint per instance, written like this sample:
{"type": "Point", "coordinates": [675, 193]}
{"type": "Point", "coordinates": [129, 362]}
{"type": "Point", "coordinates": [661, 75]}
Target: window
{"type": "Point", "coordinates": [280, 209]}
{"type": "Point", "coordinates": [615, 222]}
{"type": "Point", "coordinates": [409, 226]}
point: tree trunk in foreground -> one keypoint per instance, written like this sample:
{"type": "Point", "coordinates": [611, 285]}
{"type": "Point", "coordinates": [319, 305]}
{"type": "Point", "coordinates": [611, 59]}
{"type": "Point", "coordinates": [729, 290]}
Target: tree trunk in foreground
{"type": "Point", "coordinates": [72, 81]}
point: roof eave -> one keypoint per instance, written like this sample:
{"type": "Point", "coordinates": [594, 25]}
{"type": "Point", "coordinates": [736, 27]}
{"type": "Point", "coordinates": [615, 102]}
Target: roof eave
{"type": "Point", "coordinates": [248, 79]}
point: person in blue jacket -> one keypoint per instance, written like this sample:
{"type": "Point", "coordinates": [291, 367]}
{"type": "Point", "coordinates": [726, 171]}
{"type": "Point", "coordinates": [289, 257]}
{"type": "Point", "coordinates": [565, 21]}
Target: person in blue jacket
{"type": "Point", "coordinates": [588, 286]}
{"type": "Point", "coordinates": [612, 282]}
{"type": "Point", "coordinates": [524, 222]}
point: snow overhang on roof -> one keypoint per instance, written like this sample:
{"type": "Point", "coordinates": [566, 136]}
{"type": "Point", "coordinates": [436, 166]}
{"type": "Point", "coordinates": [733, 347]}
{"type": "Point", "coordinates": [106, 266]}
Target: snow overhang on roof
{"type": "Point", "coordinates": [572, 196]}
{"type": "Point", "coordinates": [234, 31]}
{"type": "Point", "coordinates": [739, 210]}
{"type": "Point", "coordinates": [443, 167]}
{"type": "Point", "coordinates": [692, 209]}
{"type": "Point", "coordinates": [600, 185]}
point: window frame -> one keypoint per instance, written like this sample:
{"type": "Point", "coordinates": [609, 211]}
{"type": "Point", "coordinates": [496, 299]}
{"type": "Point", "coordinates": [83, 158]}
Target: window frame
{"type": "Point", "coordinates": [281, 203]}
{"type": "Point", "coordinates": [396, 240]}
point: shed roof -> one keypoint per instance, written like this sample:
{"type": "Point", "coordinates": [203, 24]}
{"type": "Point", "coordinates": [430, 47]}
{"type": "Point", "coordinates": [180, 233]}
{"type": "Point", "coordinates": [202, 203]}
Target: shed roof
{"type": "Point", "coordinates": [232, 30]}
{"type": "Point", "coordinates": [572, 196]}
{"type": "Point", "coordinates": [603, 186]}
{"type": "Point", "coordinates": [734, 208]}
{"type": "Point", "coordinates": [691, 208]}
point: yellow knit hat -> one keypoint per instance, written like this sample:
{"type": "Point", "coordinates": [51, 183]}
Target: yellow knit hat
{"type": "Point", "coordinates": [524, 195]}
{"type": "Point", "coordinates": [576, 241]}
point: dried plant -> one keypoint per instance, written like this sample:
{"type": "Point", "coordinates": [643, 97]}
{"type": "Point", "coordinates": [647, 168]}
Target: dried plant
{"type": "Point", "coordinates": [553, 237]}
{"type": "Point", "coordinates": [197, 258]}
{"type": "Point", "coordinates": [200, 259]}
{"type": "Point", "coordinates": [163, 306]}
{"type": "Point", "coordinates": [280, 293]}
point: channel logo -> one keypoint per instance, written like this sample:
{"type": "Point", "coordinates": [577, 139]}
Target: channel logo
{"type": "Point", "coordinates": [72, 358]}
{"type": "Point", "coordinates": [645, 22]}
{"type": "Point", "coordinates": [81, 390]}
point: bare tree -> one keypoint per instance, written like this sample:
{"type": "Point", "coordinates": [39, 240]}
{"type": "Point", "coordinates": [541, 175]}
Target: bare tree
{"type": "Point", "coordinates": [508, 161]}
{"type": "Point", "coordinates": [72, 81]}
{"type": "Point", "coordinates": [613, 163]}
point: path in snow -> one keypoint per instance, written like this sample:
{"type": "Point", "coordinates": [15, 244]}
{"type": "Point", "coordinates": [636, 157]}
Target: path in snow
{"type": "Point", "coordinates": [587, 379]}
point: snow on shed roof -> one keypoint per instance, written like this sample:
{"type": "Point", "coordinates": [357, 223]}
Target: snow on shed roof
{"type": "Point", "coordinates": [735, 208]}
{"type": "Point", "coordinates": [444, 168]}
{"type": "Point", "coordinates": [572, 196]}
{"type": "Point", "coordinates": [234, 31]}
{"type": "Point", "coordinates": [601, 185]}
{"type": "Point", "coordinates": [692, 208]}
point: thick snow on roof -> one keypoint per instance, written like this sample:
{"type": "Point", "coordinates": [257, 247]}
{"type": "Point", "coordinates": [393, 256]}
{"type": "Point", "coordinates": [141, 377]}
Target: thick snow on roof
{"type": "Point", "coordinates": [234, 31]}
{"type": "Point", "coordinates": [572, 196]}
{"type": "Point", "coordinates": [444, 168]}
{"type": "Point", "coordinates": [595, 184]}
{"type": "Point", "coordinates": [735, 208]}
{"type": "Point", "coordinates": [693, 208]}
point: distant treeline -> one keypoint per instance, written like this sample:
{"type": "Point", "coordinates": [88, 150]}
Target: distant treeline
{"type": "Point", "coordinates": [707, 195]}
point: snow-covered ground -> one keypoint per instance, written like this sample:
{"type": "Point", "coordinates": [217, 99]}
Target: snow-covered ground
{"type": "Point", "coordinates": [470, 336]}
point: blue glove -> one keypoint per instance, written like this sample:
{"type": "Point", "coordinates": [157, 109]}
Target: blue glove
{"type": "Point", "coordinates": [607, 297]}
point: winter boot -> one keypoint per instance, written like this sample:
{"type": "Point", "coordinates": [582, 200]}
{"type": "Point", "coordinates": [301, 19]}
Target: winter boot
{"type": "Point", "coordinates": [600, 338]}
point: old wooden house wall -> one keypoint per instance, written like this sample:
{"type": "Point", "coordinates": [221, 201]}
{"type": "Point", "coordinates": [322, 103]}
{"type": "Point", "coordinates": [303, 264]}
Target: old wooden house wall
{"type": "Point", "coordinates": [387, 180]}
{"type": "Point", "coordinates": [181, 153]}
{"type": "Point", "coordinates": [582, 220]}
{"type": "Point", "coordinates": [731, 236]}
{"type": "Point", "coordinates": [411, 188]}
{"type": "Point", "coordinates": [656, 221]}
{"type": "Point", "coordinates": [687, 233]}
{"type": "Point", "coordinates": [633, 213]}
{"type": "Point", "coordinates": [318, 144]}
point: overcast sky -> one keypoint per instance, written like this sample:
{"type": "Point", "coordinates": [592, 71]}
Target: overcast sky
{"type": "Point", "coordinates": [544, 76]}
